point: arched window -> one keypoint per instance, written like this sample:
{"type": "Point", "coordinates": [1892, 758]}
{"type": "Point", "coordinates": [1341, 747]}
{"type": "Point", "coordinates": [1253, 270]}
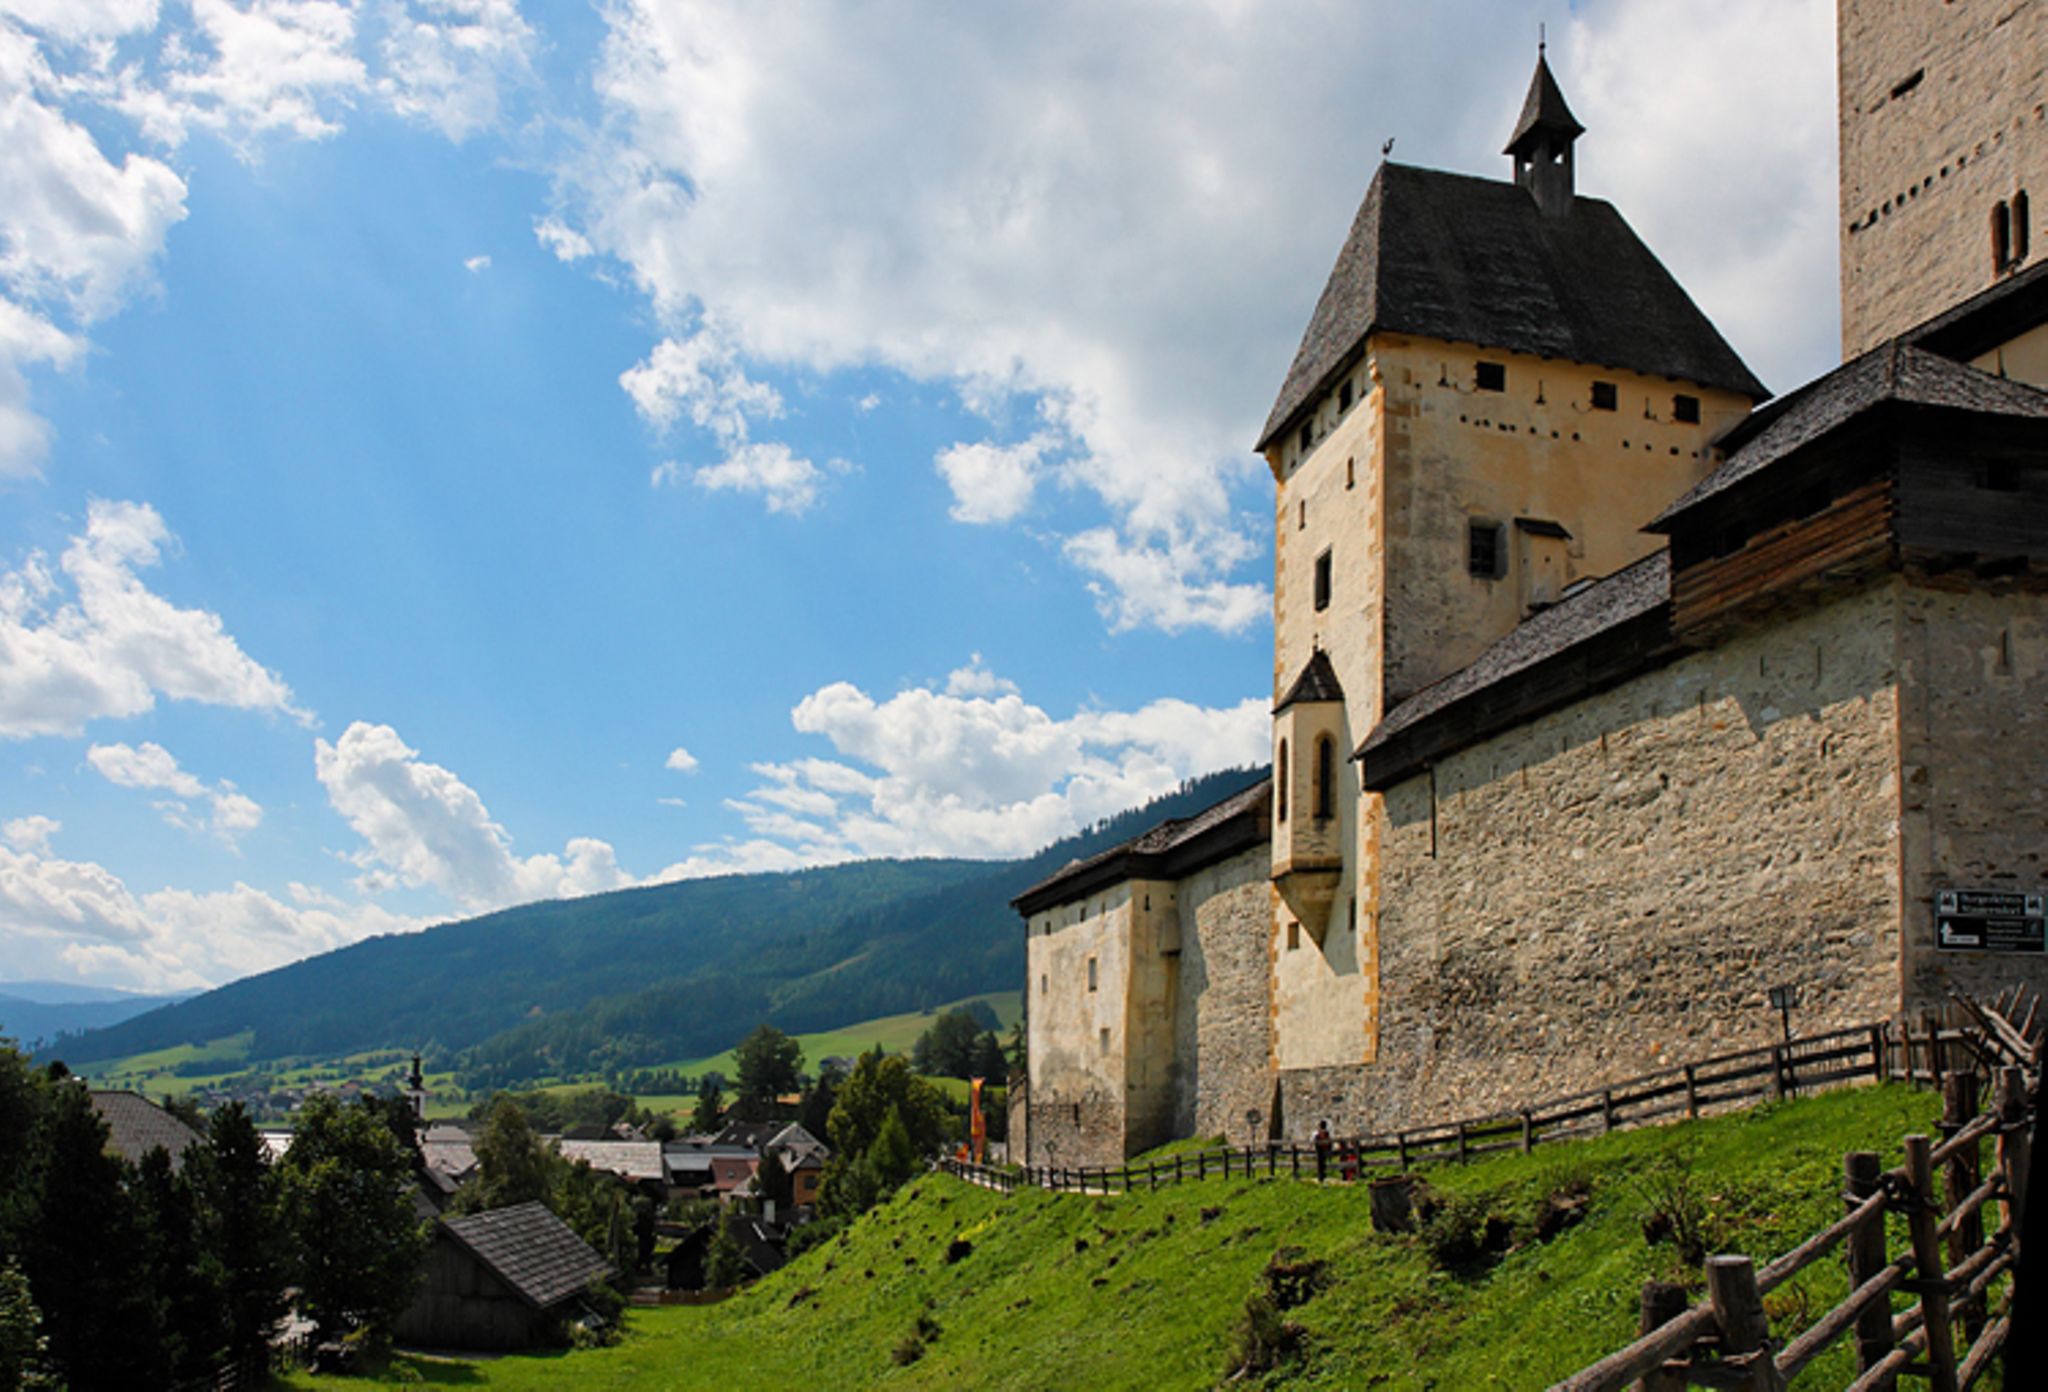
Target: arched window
{"type": "Point", "coordinates": [1280, 784]}
{"type": "Point", "coordinates": [2001, 238]}
{"type": "Point", "coordinates": [2020, 236]}
{"type": "Point", "coordinates": [1326, 777]}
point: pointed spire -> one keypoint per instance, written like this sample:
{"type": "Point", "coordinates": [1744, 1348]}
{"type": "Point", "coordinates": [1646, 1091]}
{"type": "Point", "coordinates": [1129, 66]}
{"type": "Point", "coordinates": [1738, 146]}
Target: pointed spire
{"type": "Point", "coordinates": [1543, 113]}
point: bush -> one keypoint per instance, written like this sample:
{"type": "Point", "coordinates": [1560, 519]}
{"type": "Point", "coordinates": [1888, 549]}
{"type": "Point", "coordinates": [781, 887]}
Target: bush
{"type": "Point", "coordinates": [1464, 1233]}
{"type": "Point", "coordinates": [813, 1233]}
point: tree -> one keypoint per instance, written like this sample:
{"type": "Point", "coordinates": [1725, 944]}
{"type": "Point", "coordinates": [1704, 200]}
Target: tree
{"type": "Point", "coordinates": [770, 1063]}
{"type": "Point", "coordinates": [241, 1228]}
{"type": "Point", "coordinates": [815, 1115]}
{"type": "Point", "coordinates": [881, 1093]}
{"type": "Point", "coordinates": [346, 1204]}
{"type": "Point", "coordinates": [184, 1277]}
{"type": "Point", "coordinates": [24, 1353]}
{"type": "Point", "coordinates": [725, 1266]}
{"type": "Point", "coordinates": [512, 1167]}
{"type": "Point", "coordinates": [990, 1062]}
{"type": "Point", "coordinates": [710, 1106]}
{"type": "Point", "coordinates": [947, 1049]}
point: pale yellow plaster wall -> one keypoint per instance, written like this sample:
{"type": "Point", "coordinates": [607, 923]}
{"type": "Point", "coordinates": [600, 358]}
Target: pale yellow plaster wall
{"type": "Point", "coordinates": [2024, 359]}
{"type": "Point", "coordinates": [1921, 170]}
{"type": "Point", "coordinates": [1077, 1080]}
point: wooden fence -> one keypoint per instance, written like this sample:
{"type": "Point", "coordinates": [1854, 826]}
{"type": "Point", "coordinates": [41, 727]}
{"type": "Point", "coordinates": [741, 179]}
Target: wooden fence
{"type": "Point", "coordinates": [1956, 1323]}
{"type": "Point", "coordinates": [1865, 1053]}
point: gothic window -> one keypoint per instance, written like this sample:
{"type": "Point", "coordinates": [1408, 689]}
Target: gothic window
{"type": "Point", "coordinates": [1483, 550]}
{"type": "Point", "coordinates": [1605, 396]}
{"type": "Point", "coordinates": [1685, 409]}
{"type": "Point", "coordinates": [1326, 778]}
{"type": "Point", "coordinates": [1492, 376]}
{"type": "Point", "coordinates": [1280, 784]}
{"type": "Point", "coordinates": [1323, 581]}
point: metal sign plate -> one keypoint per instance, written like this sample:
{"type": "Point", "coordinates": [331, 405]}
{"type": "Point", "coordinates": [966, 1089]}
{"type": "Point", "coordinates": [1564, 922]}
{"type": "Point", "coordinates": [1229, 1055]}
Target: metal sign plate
{"type": "Point", "coordinates": [1990, 920]}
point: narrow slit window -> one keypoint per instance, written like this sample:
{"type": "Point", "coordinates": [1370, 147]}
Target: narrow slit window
{"type": "Point", "coordinates": [1605, 396]}
{"type": "Point", "coordinates": [1685, 409]}
{"type": "Point", "coordinates": [1492, 377]}
{"type": "Point", "coordinates": [1323, 581]}
{"type": "Point", "coordinates": [1293, 935]}
{"type": "Point", "coordinates": [1091, 973]}
{"type": "Point", "coordinates": [1308, 435]}
{"type": "Point", "coordinates": [1105, 1039]}
{"type": "Point", "coordinates": [1301, 514]}
{"type": "Point", "coordinates": [2001, 237]}
{"type": "Point", "coordinates": [2020, 234]}
{"type": "Point", "coordinates": [1280, 784]}
{"type": "Point", "coordinates": [1326, 778]}
{"type": "Point", "coordinates": [1344, 396]}
{"type": "Point", "coordinates": [1351, 473]}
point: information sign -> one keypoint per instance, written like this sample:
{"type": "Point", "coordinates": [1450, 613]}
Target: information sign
{"type": "Point", "coordinates": [1990, 920]}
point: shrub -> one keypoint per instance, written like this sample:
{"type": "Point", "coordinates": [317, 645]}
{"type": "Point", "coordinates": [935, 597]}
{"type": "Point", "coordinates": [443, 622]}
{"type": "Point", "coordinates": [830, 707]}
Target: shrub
{"type": "Point", "coordinates": [1465, 1234]}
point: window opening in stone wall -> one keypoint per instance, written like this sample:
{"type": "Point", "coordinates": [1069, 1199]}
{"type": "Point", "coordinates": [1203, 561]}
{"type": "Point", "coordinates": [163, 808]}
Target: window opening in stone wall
{"type": "Point", "coordinates": [1492, 376]}
{"type": "Point", "coordinates": [1308, 435]}
{"type": "Point", "coordinates": [2001, 237]}
{"type": "Point", "coordinates": [1685, 409]}
{"type": "Point", "coordinates": [1280, 784]}
{"type": "Point", "coordinates": [1293, 935]}
{"type": "Point", "coordinates": [2021, 235]}
{"type": "Point", "coordinates": [1301, 514]}
{"type": "Point", "coordinates": [1105, 1039]}
{"type": "Point", "coordinates": [1605, 396]}
{"type": "Point", "coordinates": [1483, 550]}
{"type": "Point", "coordinates": [1351, 473]}
{"type": "Point", "coordinates": [1344, 396]}
{"type": "Point", "coordinates": [1326, 778]}
{"type": "Point", "coordinates": [1909, 82]}
{"type": "Point", "coordinates": [1091, 973]}
{"type": "Point", "coordinates": [1323, 581]}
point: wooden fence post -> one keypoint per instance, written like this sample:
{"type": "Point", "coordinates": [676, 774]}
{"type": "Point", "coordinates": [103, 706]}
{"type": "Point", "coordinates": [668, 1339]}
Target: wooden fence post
{"type": "Point", "coordinates": [1528, 1132]}
{"type": "Point", "coordinates": [1692, 1092]}
{"type": "Point", "coordinates": [1878, 1071]}
{"type": "Point", "coordinates": [1662, 1303]}
{"type": "Point", "coordinates": [1401, 1145]}
{"type": "Point", "coordinates": [2015, 1143]}
{"type": "Point", "coordinates": [1958, 1181]}
{"type": "Point", "coordinates": [1745, 1328]}
{"type": "Point", "coordinates": [1865, 1251]}
{"type": "Point", "coordinates": [1778, 1070]}
{"type": "Point", "coordinates": [1928, 1280]}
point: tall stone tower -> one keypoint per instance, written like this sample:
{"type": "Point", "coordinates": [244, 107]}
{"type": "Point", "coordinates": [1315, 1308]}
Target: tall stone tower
{"type": "Point", "coordinates": [1944, 154]}
{"type": "Point", "coordinates": [1498, 385]}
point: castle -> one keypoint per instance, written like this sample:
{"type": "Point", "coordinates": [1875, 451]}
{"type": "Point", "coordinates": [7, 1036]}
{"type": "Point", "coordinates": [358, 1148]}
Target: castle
{"type": "Point", "coordinates": [1609, 693]}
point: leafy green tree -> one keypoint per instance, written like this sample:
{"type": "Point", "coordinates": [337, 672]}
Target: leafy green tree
{"type": "Point", "coordinates": [710, 1106]}
{"type": "Point", "coordinates": [513, 1167]}
{"type": "Point", "coordinates": [882, 1092]}
{"type": "Point", "coordinates": [24, 1353]}
{"type": "Point", "coordinates": [185, 1278]}
{"type": "Point", "coordinates": [242, 1228]}
{"type": "Point", "coordinates": [816, 1113]}
{"type": "Point", "coordinates": [947, 1049]}
{"type": "Point", "coordinates": [990, 1062]}
{"type": "Point", "coordinates": [346, 1203]}
{"type": "Point", "coordinates": [770, 1063]}
{"type": "Point", "coordinates": [725, 1266]}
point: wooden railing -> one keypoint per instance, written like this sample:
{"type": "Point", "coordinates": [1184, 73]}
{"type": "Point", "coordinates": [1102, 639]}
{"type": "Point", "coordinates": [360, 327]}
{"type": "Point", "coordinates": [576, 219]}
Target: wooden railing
{"type": "Point", "coordinates": [1957, 1324]}
{"type": "Point", "coordinates": [1860, 1053]}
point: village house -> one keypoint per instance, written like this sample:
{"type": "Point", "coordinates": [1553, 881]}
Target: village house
{"type": "Point", "coordinates": [511, 1278]}
{"type": "Point", "coordinates": [136, 1126]}
{"type": "Point", "coordinates": [1606, 696]}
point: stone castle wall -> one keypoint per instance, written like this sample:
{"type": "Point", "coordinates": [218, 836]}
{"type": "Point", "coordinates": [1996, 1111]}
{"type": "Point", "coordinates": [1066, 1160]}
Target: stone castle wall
{"type": "Point", "coordinates": [1222, 1035]}
{"type": "Point", "coordinates": [1616, 885]}
{"type": "Point", "coordinates": [1942, 118]}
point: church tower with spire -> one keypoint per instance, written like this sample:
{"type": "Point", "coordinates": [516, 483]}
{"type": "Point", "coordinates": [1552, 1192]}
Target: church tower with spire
{"type": "Point", "coordinates": [1498, 384]}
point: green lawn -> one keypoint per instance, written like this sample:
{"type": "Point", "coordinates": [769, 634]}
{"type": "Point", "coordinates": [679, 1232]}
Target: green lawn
{"type": "Point", "coordinates": [1148, 1290]}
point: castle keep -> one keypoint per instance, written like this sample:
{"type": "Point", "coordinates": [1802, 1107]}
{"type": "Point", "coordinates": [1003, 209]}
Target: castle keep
{"type": "Point", "coordinates": [1608, 693]}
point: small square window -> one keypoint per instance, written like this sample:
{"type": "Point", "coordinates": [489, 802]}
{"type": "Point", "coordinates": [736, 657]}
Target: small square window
{"type": "Point", "coordinates": [1493, 376]}
{"type": "Point", "coordinates": [1344, 396]}
{"type": "Point", "coordinates": [1323, 581]}
{"type": "Point", "coordinates": [1105, 1039]}
{"type": "Point", "coordinates": [1686, 409]}
{"type": "Point", "coordinates": [1091, 973]}
{"type": "Point", "coordinates": [1605, 397]}
{"type": "Point", "coordinates": [1483, 550]}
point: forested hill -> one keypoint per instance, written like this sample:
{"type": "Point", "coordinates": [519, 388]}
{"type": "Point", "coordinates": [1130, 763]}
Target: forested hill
{"type": "Point", "coordinates": [645, 976]}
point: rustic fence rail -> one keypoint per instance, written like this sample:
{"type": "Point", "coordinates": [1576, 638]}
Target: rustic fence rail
{"type": "Point", "coordinates": [1860, 1053]}
{"type": "Point", "coordinates": [1951, 1332]}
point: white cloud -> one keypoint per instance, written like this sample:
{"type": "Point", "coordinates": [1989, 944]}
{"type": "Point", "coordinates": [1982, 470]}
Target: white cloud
{"type": "Point", "coordinates": [426, 827]}
{"type": "Point", "coordinates": [992, 483]}
{"type": "Point", "coordinates": [699, 375]}
{"type": "Point", "coordinates": [665, 474]}
{"type": "Point", "coordinates": [784, 481]}
{"type": "Point", "coordinates": [73, 20]}
{"type": "Point", "coordinates": [564, 241]}
{"type": "Point", "coordinates": [445, 61]}
{"type": "Point", "coordinates": [31, 834]}
{"type": "Point", "coordinates": [1136, 240]}
{"type": "Point", "coordinates": [972, 770]}
{"type": "Point", "coordinates": [477, 264]}
{"type": "Point", "coordinates": [111, 646]}
{"type": "Point", "coordinates": [152, 766]}
{"type": "Point", "coordinates": [246, 70]}
{"type": "Point", "coordinates": [77, 918]}
{"type": "Point", "coordinates": [681, 760]}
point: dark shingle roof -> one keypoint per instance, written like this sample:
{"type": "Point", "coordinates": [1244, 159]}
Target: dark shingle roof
{"type": "Point", "coordinates": [1473, 260]}
{"type": "Point", "coordinates": [1175, 847]}
{"type": "Point", "coordinates": [1543, 110]}
{"type": "Point", "coordinates": [1317, 682]}
{"type": "Point", "coordinates": [1894, 372]}
{"type": "Point", "coordinates": [136, 1126]}
{"type": "Point", "coordinates": [533, 1251]}
{"type": "Point", "coordinates": [1624, 595]}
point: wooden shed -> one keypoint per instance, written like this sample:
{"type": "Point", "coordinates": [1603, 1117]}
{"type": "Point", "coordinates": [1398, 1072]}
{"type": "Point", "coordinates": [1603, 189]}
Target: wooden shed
{"type": "Point", "coordinates": [507, 1279]}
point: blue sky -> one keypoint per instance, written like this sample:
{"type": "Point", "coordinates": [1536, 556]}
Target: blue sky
{"type": "Point", "coordinates": [454, 452]}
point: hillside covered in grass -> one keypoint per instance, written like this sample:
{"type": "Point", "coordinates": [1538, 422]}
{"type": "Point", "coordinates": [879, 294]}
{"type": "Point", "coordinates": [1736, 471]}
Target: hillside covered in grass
{"type": "Point", "coordinates": [1531, 1270]}
{"type": "Point", "coordinates": [642, 977]}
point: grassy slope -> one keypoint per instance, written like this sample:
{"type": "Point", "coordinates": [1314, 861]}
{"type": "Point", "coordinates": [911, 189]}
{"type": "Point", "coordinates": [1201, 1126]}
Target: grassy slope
{"type": "Point", "coordinates": [1154, 1297]}
{"type": "Point", "coordinates": [895, 1034]}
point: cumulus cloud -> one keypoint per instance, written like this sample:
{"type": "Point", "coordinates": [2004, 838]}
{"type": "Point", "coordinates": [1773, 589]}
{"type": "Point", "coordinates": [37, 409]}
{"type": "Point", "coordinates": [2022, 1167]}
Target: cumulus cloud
{"type": "Point", "coordinates": [90, 640]}
{"type": "Point", "coordinates": [153, 767]}
{"type": "Point", "coordinates": [784, 481]}
{"type": "Point", "coordinates": [681, 760]}
{"type": "Point", "coordinates": [423, 826]}
{"type": "Point", "coordinates": [31, 833]}
{"type": "Point", "coordinates": [1134, 242]}
{"type": "Point", "coordinates": [447, 62]}
{"type": "Point", "coordinates": [973, 769]}
{"type": "Point", "coordinates": [78, 919]}
{"type": "Point", "coordinates": [475, 265]}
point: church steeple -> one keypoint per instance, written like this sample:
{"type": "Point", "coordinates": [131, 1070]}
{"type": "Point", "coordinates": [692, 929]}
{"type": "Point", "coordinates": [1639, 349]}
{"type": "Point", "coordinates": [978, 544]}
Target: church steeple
{"type": "Point", "coordinates": [1542, 143]}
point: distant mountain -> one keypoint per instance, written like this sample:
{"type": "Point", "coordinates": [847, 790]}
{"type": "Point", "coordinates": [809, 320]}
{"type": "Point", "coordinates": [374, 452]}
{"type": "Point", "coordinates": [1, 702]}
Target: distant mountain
{"type": "Point", "coordinates": [645, 976]}
{"type": "Point", "coordinates": [37, 1012]}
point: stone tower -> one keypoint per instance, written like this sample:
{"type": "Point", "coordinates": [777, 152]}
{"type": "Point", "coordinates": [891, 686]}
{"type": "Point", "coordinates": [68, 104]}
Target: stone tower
{"type": "Point", "coordinates": [1497, 386]}
{"type": "Point", "coordinates": [1944, 155]}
